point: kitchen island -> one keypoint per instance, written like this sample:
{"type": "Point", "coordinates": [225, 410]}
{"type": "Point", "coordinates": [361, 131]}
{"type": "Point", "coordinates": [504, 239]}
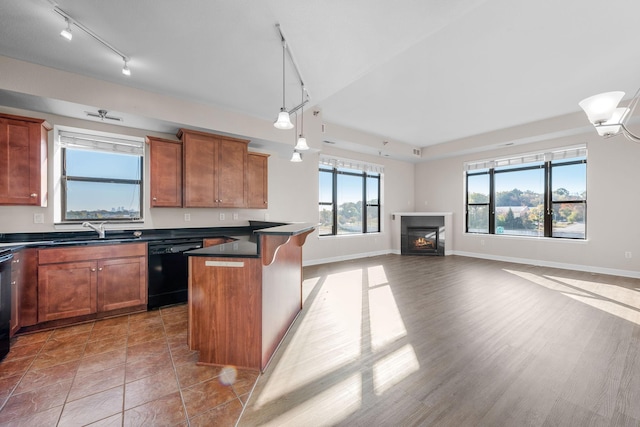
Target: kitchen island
{"type": "Point", "coordinates": [244, 296]}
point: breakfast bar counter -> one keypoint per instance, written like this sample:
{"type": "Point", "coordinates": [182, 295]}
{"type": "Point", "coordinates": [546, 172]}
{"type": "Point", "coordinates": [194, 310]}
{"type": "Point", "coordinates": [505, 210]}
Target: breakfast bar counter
{"type": "Point", "coordinates": [244, 296]}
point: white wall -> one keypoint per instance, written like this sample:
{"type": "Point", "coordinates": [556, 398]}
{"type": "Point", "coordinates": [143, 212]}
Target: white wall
{"type": "Point", "coordinates": [293, 187]}
{"type": "Point", "coordinates": [613, 204]}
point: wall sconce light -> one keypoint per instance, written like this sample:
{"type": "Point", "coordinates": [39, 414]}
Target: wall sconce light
{"type": "Point", "coordinates": [604, 114]}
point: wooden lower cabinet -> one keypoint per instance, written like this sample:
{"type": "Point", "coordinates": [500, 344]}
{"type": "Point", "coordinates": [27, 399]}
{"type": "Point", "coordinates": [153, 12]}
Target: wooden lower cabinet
{"type": "Point", "coordinates": [122, 283]}
{"type": "Point", "coordinates": [67, 290]}
{"type": "Point", "coordinates": [76, 281]}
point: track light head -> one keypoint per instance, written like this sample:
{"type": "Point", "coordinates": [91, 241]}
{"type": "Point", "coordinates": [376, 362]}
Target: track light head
{"type": "Point", "coordinates": [66, 33]}
{"type": "Point", "coordinates": [125, 70]}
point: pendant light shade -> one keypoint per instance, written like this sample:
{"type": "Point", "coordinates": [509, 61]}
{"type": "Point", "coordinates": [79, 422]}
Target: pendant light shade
{"type": "Point", "coordinates": [296, 157]}
{"type": "Point", "coordinates": [284, 121]}
{"type": "Point", "coordinates": [302, 143]}
{"type": "Point", "coordinates": [607, 117]}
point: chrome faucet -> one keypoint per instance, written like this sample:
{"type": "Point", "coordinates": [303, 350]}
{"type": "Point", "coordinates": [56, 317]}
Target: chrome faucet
{"type": "Point", "coordinates": [97, 228]}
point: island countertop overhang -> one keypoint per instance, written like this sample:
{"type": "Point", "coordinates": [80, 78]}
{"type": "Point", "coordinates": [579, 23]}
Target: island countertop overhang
{"type": "Point", "coordinates": [250, 249]}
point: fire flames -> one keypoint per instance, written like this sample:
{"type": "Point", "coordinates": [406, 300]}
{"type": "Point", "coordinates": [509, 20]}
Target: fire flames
{"type": "Point", "coordinates": [422, 243]}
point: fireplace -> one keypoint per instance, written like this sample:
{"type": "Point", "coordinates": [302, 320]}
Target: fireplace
{"type": "Point", "coordinates": [422, 235]}
{"type": "Point", "coordinates": [422, 240]}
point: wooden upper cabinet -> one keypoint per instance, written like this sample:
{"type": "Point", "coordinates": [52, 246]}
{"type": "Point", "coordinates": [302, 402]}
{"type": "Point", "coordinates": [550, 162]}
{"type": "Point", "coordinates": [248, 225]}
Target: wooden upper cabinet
{"type": "Point", "coordinates": [257, 181]}
{"type": "Point", "coordinates": [166, 172]}
{"type": "Point", "coordinates": [214, 170]}
{"type": "Point", "coordinates": [23, 160]}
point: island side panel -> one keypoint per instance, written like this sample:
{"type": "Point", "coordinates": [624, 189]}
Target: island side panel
{"type": "Point", "coordinates": [225, 310]}
{"type": "Point", "coordinates": [282, 296]}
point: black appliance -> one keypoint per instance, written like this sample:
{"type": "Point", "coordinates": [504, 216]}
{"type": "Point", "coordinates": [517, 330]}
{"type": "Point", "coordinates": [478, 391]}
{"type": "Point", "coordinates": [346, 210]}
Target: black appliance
{"type": "Point", "coordinates": [169, 271]}
{"type": "Point", "coordinates": [5, 301]}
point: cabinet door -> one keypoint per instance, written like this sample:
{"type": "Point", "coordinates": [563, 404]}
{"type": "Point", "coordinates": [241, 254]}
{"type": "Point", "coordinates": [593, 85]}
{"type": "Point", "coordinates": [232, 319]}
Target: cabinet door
{"type": "Point", "coordinates": [166, 172]}
{"type": "Point", "coordinates": [66, 290]}
{"type": "Point", "coordinates": [231, 170]}
{"type": "Point", "coordinates": [122, 282]}
{"type": "Point", "coordinates": [257, 181]}
{"type": "Point", "coordinates": [200, 184]}
{"type": "Point", "coordinates": [23, 161]}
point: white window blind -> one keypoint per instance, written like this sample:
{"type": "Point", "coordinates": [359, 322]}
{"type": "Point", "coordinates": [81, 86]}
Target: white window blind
{"type": "Point", "coordinates": [111, 144]}
{"type": "Point", "coordinates": [337, 162]}
{"type": "Point", "coordinates": [523, 159]}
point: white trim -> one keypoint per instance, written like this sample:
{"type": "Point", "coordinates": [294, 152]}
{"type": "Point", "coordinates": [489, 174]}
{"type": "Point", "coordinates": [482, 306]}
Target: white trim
{"type": "Point", "coordinates": [542, 263]}
{"type": "Point", "coordinates": [339, 162]}
{"type": "Point", "coordinates": [344, 258]}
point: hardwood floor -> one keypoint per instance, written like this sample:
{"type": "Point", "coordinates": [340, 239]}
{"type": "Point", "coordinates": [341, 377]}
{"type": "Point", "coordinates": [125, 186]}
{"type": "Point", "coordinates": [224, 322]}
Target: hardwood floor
{"type": "Point", "coordinates": [454, 341]}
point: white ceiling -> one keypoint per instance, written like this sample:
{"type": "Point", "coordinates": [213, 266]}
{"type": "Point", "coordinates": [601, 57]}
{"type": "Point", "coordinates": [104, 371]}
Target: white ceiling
{"type": "Point", "coordinates": [420, 72]}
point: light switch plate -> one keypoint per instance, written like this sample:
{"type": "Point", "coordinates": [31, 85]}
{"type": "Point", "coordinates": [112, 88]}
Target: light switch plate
{"type": "Point", "coordinates": [221, 217]}
{"type": "Point", "coordinates": [38, 218]}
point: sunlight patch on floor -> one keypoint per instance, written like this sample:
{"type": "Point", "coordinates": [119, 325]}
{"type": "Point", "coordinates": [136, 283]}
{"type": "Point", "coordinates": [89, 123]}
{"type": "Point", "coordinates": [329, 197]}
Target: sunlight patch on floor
{"type": "Point", "coordinates": [393, 368]}
{"type": "Point", "coordinates": [608, 297]}
{"type": "Point", "coordinates": [384, 317]}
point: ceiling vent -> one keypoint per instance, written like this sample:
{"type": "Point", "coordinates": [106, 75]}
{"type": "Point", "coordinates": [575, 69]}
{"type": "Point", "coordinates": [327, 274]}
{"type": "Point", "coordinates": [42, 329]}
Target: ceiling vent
{"type": "Point", "coordinates": [417, 152]}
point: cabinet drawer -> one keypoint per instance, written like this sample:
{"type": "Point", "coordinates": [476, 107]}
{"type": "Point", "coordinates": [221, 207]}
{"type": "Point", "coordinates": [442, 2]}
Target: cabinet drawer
{"type": "Point", "coordinates": [85, 253]}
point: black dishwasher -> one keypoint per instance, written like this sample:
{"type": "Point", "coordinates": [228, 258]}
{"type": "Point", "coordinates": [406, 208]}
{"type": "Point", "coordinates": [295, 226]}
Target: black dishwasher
{"type": "Point", "coordinates": [5, 301]}
{"type": "Point", "coordinates": [169, 271]}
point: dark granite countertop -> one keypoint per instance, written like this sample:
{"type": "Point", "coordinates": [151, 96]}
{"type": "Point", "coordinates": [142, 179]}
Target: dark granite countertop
{"type": "Point", "coordinates": [248, 249]}
{"type": "Point", "coordinates": [17, 241]}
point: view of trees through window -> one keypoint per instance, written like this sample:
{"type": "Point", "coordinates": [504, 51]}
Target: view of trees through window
{"type": "Point", "coordinates": [517, 206]}
{"type": "Point", "coordinates": [342, 205]}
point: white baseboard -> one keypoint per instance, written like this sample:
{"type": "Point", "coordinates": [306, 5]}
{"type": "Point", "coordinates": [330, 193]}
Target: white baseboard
{"type": "Point", "coordinates": [541, 263]}
{"type": "Point", "coordinates": [345, 258]}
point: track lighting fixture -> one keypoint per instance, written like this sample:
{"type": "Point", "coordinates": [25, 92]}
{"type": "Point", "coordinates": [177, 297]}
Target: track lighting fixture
{"type": "Point", "coordinates": [284, 120]}
{"type": "Point", "coordinates": [66, 33]}
{"type": "Point", "coordinates": [284, 117]}
{"type": "Point", "coordinates": [125, 70]}
{"type": "Point", "coordinates": [302, 141]}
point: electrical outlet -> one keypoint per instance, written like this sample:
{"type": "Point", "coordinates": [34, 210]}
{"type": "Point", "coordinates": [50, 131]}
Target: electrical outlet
{"type": "Point", "coordinates": [235, 216]}
{"type": "Point", "coordinates": [187, 217]}
{"type": "Point", "coordinates": [627, 255]}
{"type": "Point", "coordinates": [38, 218]}
{"type": "Point", "coordinates": [266, 216]}
{"type": "Point", "coordinates": [221, 217]}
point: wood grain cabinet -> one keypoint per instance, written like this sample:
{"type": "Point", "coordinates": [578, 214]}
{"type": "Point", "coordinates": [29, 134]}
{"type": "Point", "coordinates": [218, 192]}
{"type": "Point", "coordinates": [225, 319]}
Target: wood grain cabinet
{"type": "Point", "coordinates": [214, 170]}
{"type": "Point", "coordinates": [23, 160]}
{"type": "Point", "coordinates": [257, 181]}
{"type": "Point", "coordinates": [84, 280]}
{"type": "Point", "coordinates": [165, 172]}
{"type": "Point", "coordinates": [23, 289]}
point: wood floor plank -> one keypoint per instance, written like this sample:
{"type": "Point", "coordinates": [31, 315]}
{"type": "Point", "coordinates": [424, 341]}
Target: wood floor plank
{"type": "Point", "coordinates": [451, 341]}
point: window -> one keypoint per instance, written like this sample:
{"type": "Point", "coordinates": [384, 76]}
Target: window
{"type": "Point", "coordinates": [101, 177]}
{"type": "Point", "coordinates": [349, 197]}
{"type": "Point", "coordinates": [533, 195]}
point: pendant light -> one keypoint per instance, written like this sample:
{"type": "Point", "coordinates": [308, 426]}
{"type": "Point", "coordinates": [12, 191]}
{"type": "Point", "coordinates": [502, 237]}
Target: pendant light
{"type": "Point", "coordinates": [302, 141]}
{"type": "Point", "coordinates": [284, 121]}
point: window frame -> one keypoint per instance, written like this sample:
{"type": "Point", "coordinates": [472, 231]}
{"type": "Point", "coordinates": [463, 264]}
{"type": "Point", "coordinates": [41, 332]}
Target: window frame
{"type": "Point", "coordinates": [97, 142]}
{"type": "Point", "coordinates": [364, 175]}
{"type": "Point", "coordinates": [548, 203]}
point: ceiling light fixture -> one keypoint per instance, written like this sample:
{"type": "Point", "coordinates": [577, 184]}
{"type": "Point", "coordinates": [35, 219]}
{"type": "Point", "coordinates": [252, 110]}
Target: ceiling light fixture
{"type": "Point", "coordinates": [284, 117]}
{"type": "Point", "coordinates": [66, 33]}
{"type": "Point", "coordinates": [609, 120]}
{"type": "Point", "coordinates": [284, 120]}
{"type": "Point", "coordinates": [302, 141]}
{"type": "Point", "coordinates": [296, 157]}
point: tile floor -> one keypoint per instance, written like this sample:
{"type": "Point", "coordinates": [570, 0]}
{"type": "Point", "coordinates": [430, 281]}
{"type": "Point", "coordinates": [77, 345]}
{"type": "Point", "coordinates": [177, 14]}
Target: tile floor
{"type": "Point", "coordinates": [126, 371]}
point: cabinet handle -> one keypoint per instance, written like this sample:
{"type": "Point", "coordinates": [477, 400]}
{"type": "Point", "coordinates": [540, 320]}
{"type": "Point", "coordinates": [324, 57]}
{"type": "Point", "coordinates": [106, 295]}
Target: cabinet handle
{"type": "Point", "coordinates": [100, 269]}
{"type": "Point", "coordinates": [34, 195]}
{"type": "Point", "coordinates": [155, 199]}
{"type": "Point", "coordinates": [93, 269]}
{"type": "Point", "coordinates": [16, 261]}
{"type": "Point", "coordinates": [13, 283]}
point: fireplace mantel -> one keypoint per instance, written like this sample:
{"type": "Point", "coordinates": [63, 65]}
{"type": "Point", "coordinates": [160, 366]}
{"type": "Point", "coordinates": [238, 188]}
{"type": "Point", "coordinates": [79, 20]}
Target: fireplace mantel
{"type": "Point", "coordinates": [446, 236]}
